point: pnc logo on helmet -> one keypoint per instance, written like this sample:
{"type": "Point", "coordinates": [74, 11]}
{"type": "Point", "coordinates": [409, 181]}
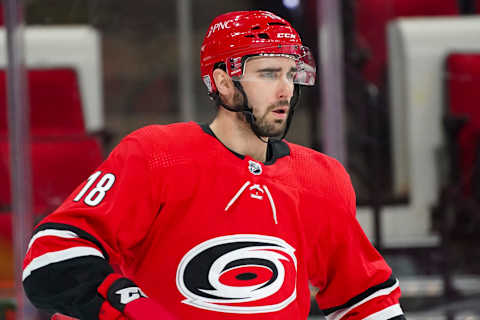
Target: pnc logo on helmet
{"type": "Point", "coordinates": [219, 26]}
{"type": "Point", "coordinates": [244, 273]}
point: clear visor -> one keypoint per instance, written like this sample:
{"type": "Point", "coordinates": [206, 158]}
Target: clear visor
{"type": "Point", "coordinates": [303, 70]}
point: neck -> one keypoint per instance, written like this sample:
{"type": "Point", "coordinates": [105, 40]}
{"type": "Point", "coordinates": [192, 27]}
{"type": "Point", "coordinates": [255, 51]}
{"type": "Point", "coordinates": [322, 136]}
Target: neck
{"type": "Point", "coordinates": [238, 136]}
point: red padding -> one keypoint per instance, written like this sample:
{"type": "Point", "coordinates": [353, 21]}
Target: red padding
{"type": "Point", "coordinates": [109, 280]}
{"type": "Point", "coordinates": [107, 312]}
{"type": "Point", "coordinates": [139, 309]}
{"type": "Point", "coordinates": [59, 316]}
{"type": "Point", "coordinates": [55, 102]}
{"type": "Point", "coordinates": [145, 309]}
{"type": "Point", "coordinates": [372, 17]}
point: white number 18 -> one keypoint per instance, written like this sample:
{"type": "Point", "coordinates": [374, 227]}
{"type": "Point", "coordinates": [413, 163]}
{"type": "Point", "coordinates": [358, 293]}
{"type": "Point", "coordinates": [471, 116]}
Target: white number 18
{"type": "Point", "coordinates": [96, 195]}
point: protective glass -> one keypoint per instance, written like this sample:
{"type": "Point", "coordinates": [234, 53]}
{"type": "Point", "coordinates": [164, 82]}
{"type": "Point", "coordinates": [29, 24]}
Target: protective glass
{"type": "Point", "coordinates": [305, 63]}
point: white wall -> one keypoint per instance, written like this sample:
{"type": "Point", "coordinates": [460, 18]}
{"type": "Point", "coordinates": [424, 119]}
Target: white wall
{"type": "Point", "coordinates": [417, 49]}
{"type": "Point", "coordinates": [77, 47]}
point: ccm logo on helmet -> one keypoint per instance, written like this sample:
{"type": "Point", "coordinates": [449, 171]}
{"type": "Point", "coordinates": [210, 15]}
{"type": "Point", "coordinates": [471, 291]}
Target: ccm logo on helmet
{"type": "Point", "coordinates": [286, 35]}
{"type": "Point", "coordinates": [219, 26]}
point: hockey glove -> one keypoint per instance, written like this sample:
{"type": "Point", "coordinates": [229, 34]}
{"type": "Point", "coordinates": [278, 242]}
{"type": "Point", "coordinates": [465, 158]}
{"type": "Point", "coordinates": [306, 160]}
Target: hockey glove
{"type": "Point", "coordinates": [125, 300]}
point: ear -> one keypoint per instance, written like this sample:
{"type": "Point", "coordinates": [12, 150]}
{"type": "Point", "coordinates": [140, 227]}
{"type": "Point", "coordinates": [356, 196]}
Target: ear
{"type": "Point", "coordinates": [224, 83]}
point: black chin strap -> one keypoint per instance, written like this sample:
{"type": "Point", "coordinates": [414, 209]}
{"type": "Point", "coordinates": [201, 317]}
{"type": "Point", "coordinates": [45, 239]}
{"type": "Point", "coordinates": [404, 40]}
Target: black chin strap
{"type": "Point", "coordinates": [293, 105]}
{"type": "Point", "coordinates": [244, 108]}
{"type": "Point", "coordinates": [248, 112]}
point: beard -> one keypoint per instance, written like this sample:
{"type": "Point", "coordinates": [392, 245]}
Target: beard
{"type": "Point", "coordinates": [268, 128]}
{"type": "Point", "coordinates": [261, 125]}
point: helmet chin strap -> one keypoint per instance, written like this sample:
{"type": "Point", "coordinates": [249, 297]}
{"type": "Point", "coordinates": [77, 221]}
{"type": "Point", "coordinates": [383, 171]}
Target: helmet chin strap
{"type": "Point", "coordinates": [248, 112]}
{"type": "Point", "coordinates": [291, 111]}
{"type": "Point", "coordinates": [243, 108]}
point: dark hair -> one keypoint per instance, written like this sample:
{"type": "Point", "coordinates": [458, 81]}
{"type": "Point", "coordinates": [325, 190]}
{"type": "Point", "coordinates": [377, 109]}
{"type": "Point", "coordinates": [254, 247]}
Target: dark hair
{"type": "Point", "coordinates": [220, 65]}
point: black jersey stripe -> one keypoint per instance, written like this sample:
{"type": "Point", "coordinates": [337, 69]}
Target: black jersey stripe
{"type": "Point", "coordinates": [81, 234]}
{"type": "Point", "coordinates": [69, 286]}
{"type": "Point", "coordinates": [391, 281]}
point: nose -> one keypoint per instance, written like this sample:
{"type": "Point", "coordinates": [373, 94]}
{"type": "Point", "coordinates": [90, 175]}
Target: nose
{"type": "Point", "coordinates": [285, 89]}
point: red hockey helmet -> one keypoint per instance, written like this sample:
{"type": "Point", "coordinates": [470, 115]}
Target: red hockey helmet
{"type": "Point", "coordinates": [234, 36]}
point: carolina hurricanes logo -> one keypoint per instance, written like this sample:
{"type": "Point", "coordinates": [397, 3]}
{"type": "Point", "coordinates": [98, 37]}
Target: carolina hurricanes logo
{"type": "Point", "coordinates": [243, 273]}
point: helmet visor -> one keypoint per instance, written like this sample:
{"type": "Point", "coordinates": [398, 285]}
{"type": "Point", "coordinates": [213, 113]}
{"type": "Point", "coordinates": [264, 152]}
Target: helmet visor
{"type": "Point", "coordinates": [305, 70]}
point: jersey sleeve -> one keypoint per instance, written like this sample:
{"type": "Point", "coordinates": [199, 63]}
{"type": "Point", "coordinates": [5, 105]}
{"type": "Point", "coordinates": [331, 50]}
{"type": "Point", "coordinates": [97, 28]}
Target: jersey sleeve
{"type": "Point", "coordinates": [99, 225]}
{"type": "Point", "coordinates": [353, 279]}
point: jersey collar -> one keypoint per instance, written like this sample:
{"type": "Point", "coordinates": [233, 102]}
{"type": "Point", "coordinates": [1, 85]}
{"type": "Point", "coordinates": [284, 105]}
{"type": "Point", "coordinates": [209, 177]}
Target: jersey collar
{"type": "Point", "coordinates": [276, 149]}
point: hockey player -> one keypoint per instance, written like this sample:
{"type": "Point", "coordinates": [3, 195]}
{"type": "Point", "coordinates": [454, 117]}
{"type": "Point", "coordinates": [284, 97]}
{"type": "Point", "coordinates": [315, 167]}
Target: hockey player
{"type": "Point", "coordinates": [218, 221]}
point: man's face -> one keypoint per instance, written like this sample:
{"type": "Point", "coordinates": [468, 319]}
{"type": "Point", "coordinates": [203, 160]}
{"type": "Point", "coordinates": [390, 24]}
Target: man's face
{"type": "Point", "coordinates": [268, 84]}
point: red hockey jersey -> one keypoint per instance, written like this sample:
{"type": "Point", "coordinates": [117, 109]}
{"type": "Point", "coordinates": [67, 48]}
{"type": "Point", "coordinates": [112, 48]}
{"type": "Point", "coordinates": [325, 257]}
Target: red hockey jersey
{"type": "Point", "coordinates": [211, 234]}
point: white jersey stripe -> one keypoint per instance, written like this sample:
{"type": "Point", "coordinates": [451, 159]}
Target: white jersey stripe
{"type": "Point", "coordinates": [235, 197]}
{"type": "Point", "coordinates": [272, 204]}
{"type": "Point", "coordinates": [386, 313]}
{"type": "Point", "coordinates": [383, 292]}
{"type": "Point", "coordinates": [53, 232]}
{"type": "Point", "coordinates": [58, 256]}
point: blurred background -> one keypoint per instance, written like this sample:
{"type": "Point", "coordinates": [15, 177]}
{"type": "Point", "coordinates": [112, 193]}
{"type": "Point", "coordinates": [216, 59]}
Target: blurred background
{"type": "Point", "coordinates": [396, 101]}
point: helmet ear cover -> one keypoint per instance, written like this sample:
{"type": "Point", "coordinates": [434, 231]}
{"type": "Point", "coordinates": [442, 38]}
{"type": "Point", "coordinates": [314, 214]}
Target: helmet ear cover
{"type": "Point", "coordinates": [214, 95]}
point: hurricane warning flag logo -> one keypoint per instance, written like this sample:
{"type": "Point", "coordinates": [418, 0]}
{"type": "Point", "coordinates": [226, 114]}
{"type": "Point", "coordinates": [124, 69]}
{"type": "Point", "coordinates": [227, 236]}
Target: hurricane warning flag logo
{"type": "Point", "coordinates": [243, 273]}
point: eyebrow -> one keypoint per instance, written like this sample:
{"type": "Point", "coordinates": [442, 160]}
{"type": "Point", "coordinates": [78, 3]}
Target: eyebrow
{"type": "Point", "coordinates": [292, 69]}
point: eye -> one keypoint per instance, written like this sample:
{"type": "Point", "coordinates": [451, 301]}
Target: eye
{"type": "Point", "coordinates": [291, 75]}
{"type": "Point", "coordinates": [268, 74]}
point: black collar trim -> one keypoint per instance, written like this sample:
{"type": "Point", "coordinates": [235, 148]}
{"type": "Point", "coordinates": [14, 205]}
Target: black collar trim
{"type": "Point", "coordinates": [276, 149]}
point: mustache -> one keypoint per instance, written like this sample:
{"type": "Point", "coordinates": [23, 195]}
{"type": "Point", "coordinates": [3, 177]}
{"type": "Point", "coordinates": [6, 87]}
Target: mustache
{"type": "Point", "coordinates": [280, 103]}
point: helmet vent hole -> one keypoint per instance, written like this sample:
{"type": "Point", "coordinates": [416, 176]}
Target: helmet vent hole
{"type": "Point", "coordinates": [249, 36]}
{"type": "Point", "coordinates": [263, 36]}
{"type": "Point", "coordinates": [276, 24]}
{"type": "Point", "coordinates": [256, 28]}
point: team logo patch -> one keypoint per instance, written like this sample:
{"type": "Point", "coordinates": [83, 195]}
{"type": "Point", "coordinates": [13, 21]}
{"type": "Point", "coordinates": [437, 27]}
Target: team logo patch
{"type": "Point", "coordinates": [254, 167]}
{"type": "Point", "coordinates": [244, 273]}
